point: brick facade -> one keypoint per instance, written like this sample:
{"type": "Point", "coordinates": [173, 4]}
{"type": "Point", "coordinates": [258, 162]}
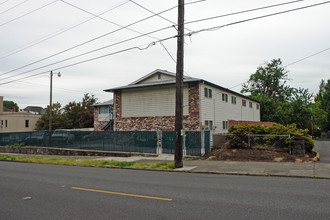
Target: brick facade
{"type": "Point", "coordinates": [164, 123]}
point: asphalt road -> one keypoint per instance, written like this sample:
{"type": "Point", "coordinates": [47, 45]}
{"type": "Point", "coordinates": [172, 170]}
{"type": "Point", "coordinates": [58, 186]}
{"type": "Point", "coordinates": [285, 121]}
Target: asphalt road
{"type": "Point", "coordinates": [323, 147]}
{"type": "Point", "coordinates": [34, 191]}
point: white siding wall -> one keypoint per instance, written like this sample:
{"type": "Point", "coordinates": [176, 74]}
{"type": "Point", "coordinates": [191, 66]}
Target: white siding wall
{"type": "Point", "coordinates": [154, 78]}
{"type": "Point", "coordinates": [215, 110]}
{"type": "Point", "coordinates": [152, 101]}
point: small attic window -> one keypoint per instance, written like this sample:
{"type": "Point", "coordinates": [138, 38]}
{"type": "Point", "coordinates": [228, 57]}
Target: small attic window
{"type": "Point", "coordinates": [159, 76]}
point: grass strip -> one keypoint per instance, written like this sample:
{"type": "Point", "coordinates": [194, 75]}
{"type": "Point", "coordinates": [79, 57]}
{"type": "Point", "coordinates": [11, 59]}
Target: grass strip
{"type": "Point", "coordinates": [72, 161]}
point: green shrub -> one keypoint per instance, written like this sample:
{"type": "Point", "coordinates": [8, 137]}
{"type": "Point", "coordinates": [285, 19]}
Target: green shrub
{"type": "Point", "coordinates": [240, 133]}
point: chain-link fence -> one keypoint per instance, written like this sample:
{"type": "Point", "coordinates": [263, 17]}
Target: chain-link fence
{"type": "Point", "coordinates": [196, 142]}
{"type": "Point", "coordinates": [251, 140]}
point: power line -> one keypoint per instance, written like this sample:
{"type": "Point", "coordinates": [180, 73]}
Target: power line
{"type": "Point", "coordinates": [85, 53]}
{"type": "Point", "coordinates": [189, 34]}
{"type": "Point", "coordinates": [154, 13]}
{"type": "Point", "coordinates": [307, 57]}
{"type": "Point", "coordinates": [252, 19]}
{"type": "Point", "coordinates": [291, 63]}
{"type": "Point", "coordinates": [4, 2]}
{"type": "Point", "coordinates": [86, 42]}
{"type": "Point", "coordinates": [87, 60]}
{"type": "Point", "coordinates": [96, 38]}
{"type": "Point", "coordinates": [56, 33]}
{"type": "Point", "coordinates": [111, 22]}
{"type": "Point", "coordinates": [15, 6]}
{"type": "Point", "coordinates": [7, 22]}
{"type": "Point", "coordinates": [241, 12]}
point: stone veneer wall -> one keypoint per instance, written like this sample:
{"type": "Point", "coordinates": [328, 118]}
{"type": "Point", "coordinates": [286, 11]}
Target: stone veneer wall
{"type": "Point", "coordinates": [164, 123]}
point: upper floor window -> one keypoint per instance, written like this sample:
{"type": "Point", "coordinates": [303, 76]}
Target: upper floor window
{"type": "Point", "coordinates": [224, 97]}
{"type": "Point", "coordinates": [159, 76]}
{"type": "Point", "coordinates": [244, 102]}
{"type": "Point", "coordinates": [250, 104]}
{"type": "Point", "coordinates": [103, 110]}
{"type": "Point", "coordinates": [26, 123]}
{"type": "Point", "coordinates": [233, 100]}
{"type": "Point", "coordinates": [208, 92]}
{"type": "Point", "coordinates": [257, 106]}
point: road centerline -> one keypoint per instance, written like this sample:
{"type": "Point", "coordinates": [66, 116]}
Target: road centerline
{"type": "Point", "coordinates": [122, 194]}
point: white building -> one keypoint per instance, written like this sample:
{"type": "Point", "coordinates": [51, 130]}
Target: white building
{"type": "Point", "coordinates": [149, 104]}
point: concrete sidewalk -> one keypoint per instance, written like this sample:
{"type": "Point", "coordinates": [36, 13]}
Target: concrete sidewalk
{"type": "Point", "coordinates": [313, 169]}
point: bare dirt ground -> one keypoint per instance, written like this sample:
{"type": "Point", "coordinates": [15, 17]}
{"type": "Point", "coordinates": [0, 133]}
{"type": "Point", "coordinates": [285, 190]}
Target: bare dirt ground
{"type": "Point", "coordinates": [256, 154]}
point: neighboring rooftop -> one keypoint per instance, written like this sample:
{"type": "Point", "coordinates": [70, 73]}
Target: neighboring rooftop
{"type": "Point", "coordinates": [106, 103]}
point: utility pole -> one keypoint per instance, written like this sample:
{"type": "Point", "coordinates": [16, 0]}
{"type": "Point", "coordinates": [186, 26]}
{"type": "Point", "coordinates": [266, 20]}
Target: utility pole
{"type": "Point", "coordinates": [51, 98]}
{"type": "Point", "coordinates": [179, 87]}
{"type": "Point", "coordinates": [50, 104]}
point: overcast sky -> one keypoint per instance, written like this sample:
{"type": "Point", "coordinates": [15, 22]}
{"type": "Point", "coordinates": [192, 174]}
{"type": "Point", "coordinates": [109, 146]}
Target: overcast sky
{"type": "Point", "coordinates": [37, 36]}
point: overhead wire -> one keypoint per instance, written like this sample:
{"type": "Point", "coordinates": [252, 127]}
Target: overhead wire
{"type": "Point", "coordinates": [244, 11]}
{"type": "Point", "coordinates": [189, 34]}
{"type": "Point", "coordinates": [121, 29]}
{"type": "Point", "coordinates": [111, 22]}
{"type": "Point", "coordinates": [30, 12]}
{"type": "Point", "coordinates": [56, 33]}
{"type": "Point", "coordinates": [290, 64]}
{"type": "Point", "coordinates": [4, 2]}
{"type": "Point", "coordinates": [13, 7]}
{"type": "Point", "coordinates": [87, 60]}
{"type": "Point", "coordinates": [86, 42]}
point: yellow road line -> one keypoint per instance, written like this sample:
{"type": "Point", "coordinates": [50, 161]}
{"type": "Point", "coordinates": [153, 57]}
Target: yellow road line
{"type": "Point", "coordinates": [122, 194]}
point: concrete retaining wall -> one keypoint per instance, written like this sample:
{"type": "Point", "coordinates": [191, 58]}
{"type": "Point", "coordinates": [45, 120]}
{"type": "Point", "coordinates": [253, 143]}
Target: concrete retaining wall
{"type": "Point", "coordinates": [67, 152]}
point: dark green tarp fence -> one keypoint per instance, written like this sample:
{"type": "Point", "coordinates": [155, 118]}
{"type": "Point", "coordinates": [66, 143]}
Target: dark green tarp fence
{"type": "Point", "coordinates": [123, 141]}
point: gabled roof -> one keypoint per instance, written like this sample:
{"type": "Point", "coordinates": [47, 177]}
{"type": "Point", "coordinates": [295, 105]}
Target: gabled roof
{"type": "Point", "coordinates": [186, 79]}
{"type": "Point", "coordinates": [153, 73]}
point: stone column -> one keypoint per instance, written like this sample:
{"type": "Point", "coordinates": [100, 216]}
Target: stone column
{"type": "Point", "coordinates": [299, 148]}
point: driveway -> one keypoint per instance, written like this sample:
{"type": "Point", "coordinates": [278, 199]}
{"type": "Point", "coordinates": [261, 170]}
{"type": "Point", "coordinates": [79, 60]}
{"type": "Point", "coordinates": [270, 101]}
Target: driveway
{"type": "Point", "coordinates": [323, 147]}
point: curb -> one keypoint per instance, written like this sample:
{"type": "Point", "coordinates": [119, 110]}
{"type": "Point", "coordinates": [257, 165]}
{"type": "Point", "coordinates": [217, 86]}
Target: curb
{"type": "Point", "coordinates": [317, 157]}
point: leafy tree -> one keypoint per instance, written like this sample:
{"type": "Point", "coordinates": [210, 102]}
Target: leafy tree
{"type": "Point", "coordinates": [323, 99]}
{"type": "Point", "coordinates": [10, 105]}
{"type": "Point", "coordinates": [73, 115]}
{"type": "Point", "coordinates": [81, 114]}
{"type": "Point", "coordinates": [270, 80]}
{"type": "Point", "coordinates": [58, 119]}
{"type": "Point", "coordinates": [279, 102]}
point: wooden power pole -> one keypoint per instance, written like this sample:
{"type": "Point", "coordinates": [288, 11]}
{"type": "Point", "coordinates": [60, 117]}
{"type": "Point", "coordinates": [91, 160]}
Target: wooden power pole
{"type": "Point", "coordinates": [179, 88]}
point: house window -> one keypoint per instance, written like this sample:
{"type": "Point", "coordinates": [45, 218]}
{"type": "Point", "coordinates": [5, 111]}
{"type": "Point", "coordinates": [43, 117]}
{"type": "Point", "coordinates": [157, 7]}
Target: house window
{"type": "Point", "coordinates": [257, 106]}
{"type": "Point", "coordinates": [209, 124]}
{"type": "Point", "coordinates": [225, 125]}
{"type": "Point", "coordinates": [159, 76]}
{"type": "Point", "coordinates": [26, 123]}
{"type": "Point", "coordinates": [244, 102]}
{"type": "Point", "coordinates": [1, 123]}
{"type": "Point", "coordinates": [250, 104]}
{"type": "Point", "coordinates": [224, 97]}
{"type": "Point", "coordinates": [6, 123]}
{"type": "Point", "coordinates": [233, 100]}
{"type": "Point", "coordinates": [104, 110]}
{"type": "Point", "coordinates": [208, 92]}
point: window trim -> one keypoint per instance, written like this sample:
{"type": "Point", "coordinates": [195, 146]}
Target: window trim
{"type": "Point", "coordinates": [225, 97]}
{"type": "Point", "coordinates": [244, 102]}
{"type": "Point", "coordinates": [233, 100]}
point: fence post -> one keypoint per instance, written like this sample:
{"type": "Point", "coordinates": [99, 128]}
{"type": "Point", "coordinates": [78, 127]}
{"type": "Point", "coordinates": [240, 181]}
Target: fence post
{"type": "Point", "coordinates": [184, 150]}
{"type": "Point", "coordinates": [202, 142]}
{"type": "Point", "coordinates": [159, 149]}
